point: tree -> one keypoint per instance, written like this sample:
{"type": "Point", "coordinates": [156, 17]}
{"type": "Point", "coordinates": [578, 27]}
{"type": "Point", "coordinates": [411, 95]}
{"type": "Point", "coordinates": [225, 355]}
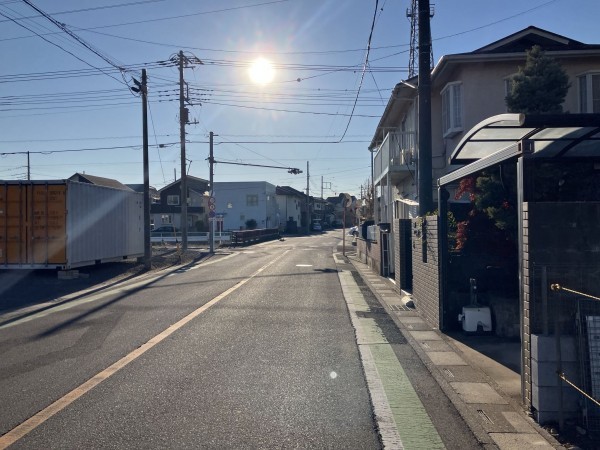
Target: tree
{"type": "Point", "coordinates": [251, 224]}
{"type": "Point", "coordinates": [540, 87]}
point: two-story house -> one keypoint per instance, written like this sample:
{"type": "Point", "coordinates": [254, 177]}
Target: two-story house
{"type": "Point", "coordinates": [167, 210]}
{"type": "Point", "coordinates": [465, 89]}
{"type": "Point", "coordinates": [468, 92]}
{"type": "Point", "coordinates": [292, 209]}
{"type": "Point", "coordinates": [238, 202]}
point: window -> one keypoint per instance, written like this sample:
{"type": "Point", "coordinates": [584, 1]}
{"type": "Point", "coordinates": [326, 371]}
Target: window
{"type": "Point", "coordinates": [251, 200]}
{"type": "Point", "coordinates": [452, 109]}
{"type": "Point", "coordinates": [508, 88]}
{"type": "Point", "coordinates": [173, 200]}
{"type": "Point", "coordinates": [589, 93]}
{"type": "Point", "coordinates": [165, 219]}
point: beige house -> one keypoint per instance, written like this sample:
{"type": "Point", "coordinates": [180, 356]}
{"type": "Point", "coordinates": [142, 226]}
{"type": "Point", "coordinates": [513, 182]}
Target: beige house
{"type": "Point", "coordinates": [466, 88]}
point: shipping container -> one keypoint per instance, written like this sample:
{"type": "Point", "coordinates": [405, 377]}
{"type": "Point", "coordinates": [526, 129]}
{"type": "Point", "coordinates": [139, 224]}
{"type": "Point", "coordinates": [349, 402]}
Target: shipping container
{"type": "Point", "coordinates": [63, 224]}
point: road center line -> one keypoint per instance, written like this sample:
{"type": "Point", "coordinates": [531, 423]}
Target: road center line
{"type": "Point", "coordinates": [36, 420]}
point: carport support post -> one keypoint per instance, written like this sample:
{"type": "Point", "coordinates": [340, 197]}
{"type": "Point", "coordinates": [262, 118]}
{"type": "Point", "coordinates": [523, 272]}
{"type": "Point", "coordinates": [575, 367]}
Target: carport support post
{"type": "Point", "coordinates": [525, 340]}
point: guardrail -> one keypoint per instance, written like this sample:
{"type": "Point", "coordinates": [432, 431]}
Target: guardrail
{"type": "Point", "coordinates": [220, 237]}
{"type": "Point", "coordinates": [247, 237]}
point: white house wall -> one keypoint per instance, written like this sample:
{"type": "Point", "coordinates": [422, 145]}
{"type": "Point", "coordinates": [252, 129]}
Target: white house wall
{"type": "Point", "coordinates": [289, 207]}
{"type": "Point", "coordinates": [231, 204]}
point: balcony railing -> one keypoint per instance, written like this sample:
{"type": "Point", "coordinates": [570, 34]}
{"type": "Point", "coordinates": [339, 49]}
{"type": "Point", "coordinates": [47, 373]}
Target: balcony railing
{"type": "Point", "coordinates": [396, 155]}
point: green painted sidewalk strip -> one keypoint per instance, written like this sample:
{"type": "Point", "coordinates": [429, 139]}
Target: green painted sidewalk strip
{"type": "Point", "coordinates": [413, 422]}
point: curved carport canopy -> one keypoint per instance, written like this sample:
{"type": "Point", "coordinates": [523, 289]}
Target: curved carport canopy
{"type": "Point", "coordinates": [505, 136]}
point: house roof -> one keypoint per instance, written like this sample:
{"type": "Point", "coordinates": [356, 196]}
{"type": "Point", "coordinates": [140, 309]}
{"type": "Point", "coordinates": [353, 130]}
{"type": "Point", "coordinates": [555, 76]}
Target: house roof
{"type": "Point", "coordinates": [511, 47]}
{"type": "Point", "coordinates": [99, 181]}
{"type": "Point", "coordinates": [191, 180]}
{"type": "Point", "coordinates": [140, 188]}
{"type": "Point", "coordinates": [288, 190]}
{"type": "Point", "coordinates": [530, 36]}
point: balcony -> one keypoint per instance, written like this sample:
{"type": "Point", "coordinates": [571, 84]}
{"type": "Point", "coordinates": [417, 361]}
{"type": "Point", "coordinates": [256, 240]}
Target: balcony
{"type": "Point", "coordinates": [396, 156]}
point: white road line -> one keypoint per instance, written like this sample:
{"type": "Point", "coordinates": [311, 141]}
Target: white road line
{"type": "Point", "coordinates": [33, 422]}
{"type": "Point", "coordinates": [64, 305]}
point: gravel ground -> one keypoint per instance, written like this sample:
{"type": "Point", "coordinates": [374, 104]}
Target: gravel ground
{"type": "Point", "coordinates": [24, 288]}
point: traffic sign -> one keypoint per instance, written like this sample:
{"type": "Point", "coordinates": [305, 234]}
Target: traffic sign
{"type": "Point", "coordinates": [211, 206]}
{"type": "Point", "coordinates": [211, 200]}
{"type": "Point", "coordinates": [211, 214]}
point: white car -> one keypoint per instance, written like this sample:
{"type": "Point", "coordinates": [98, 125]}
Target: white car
{"type": "Point", "coordinates": [353, 231]}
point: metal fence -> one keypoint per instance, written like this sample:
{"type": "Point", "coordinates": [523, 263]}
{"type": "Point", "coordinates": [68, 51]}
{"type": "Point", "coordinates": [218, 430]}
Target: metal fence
{"type": "Point", "coordinates": [566, 303]}
{"type": "Point", "coordinates": [220, 237]}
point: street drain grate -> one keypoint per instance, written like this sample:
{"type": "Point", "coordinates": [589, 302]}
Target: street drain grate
{"type": "Point", "coordinates": [484, 416]}
{"type": "Point", "coordinates": [448, 373]}
{"type": "Point", "coordinates": [399, 308]}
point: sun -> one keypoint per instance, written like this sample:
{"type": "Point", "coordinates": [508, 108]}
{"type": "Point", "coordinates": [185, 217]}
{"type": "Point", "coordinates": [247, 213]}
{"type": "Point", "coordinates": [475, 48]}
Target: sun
{"type": "Point", "coordinates": [261, 71]}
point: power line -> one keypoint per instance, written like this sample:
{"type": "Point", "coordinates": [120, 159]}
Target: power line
{"type": "Point", "coordinates": [58, 46]}
{"type": "Point", "coordinates": [362, 77]}
{"type": "Point", "coordinates": [81, 41]}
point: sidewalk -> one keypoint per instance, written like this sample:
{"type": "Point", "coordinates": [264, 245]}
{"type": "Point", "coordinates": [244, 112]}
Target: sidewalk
{"type": "Point", "coordinates": [485, 393]}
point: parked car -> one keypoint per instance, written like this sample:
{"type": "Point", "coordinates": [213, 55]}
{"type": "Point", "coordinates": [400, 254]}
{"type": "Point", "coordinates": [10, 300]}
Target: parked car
{"type": "Point", "coordinates": [316, 226]}
{"type": "Point", "coordinates": [353, 231]}
{"type": "Point", "coordinates": [165, 229]}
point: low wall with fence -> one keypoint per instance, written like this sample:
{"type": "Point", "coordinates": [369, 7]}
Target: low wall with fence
{"type": "Point", "coordinates": [249, 237]}
{"type": "Point", "coordinates": [561, 311]}
{"type": "Point", "coordinates": [426, 268]}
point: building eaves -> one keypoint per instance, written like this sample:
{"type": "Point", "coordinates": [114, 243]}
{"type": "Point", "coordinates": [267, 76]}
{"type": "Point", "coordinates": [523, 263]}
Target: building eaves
{"type": "Point", "coordinates": [404, 90]}
{"type": "Point", "coordinates": [99, 181]}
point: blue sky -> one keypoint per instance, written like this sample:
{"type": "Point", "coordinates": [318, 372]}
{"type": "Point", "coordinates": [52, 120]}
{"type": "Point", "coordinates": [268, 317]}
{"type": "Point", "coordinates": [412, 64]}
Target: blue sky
{"type": "Point", "coordinates": [73, 111]}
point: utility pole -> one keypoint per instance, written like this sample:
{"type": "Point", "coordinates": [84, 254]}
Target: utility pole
{"type": "Point", "coordinates": [182, 121]}
{"type": "Point", "coordinates": [182, 61]}
{"type": "Point", "coordinates": [211, 220]}
{"type": "Point", "coordinates": [28, 167]}
{"type": "Point", "coordinates": [425, 164]}
{"type": "Point", "coordinates": [142, 89]}
{"type": "Point", "coordinates": [147, 245]}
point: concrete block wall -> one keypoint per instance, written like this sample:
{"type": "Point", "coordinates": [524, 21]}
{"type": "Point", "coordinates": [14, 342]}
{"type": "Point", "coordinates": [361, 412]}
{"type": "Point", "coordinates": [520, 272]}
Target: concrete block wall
{"type": "Point", "coordinates": [369, 252]}
{"type": "Point", "coordinates": [545, 384]}
{"type": "Point", "coordinates": [426, 269]}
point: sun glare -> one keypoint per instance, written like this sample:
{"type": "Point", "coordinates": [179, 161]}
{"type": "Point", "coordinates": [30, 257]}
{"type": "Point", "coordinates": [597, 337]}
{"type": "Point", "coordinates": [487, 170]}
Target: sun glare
{"type": "Point", "coordinates": [261, 71]}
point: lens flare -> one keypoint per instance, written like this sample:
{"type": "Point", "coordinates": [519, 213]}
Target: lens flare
{"type": "Point", "coordinates": [261, 71]}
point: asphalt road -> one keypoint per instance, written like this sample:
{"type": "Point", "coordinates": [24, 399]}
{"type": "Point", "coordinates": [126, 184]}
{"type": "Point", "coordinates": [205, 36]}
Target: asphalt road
{"type": "Point", "coordinates": [271, 364]}
{"type": "Point", "coordinates": [252, 348]}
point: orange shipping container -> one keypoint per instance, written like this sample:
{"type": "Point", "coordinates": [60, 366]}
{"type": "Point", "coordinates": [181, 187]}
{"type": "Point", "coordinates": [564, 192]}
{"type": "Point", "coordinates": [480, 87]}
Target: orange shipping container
{"type": "Point", "coordinates": [56, 224]}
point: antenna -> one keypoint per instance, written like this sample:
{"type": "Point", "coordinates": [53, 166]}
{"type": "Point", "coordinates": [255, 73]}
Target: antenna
{"type": "Point", "coordinates": [413, 15]}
